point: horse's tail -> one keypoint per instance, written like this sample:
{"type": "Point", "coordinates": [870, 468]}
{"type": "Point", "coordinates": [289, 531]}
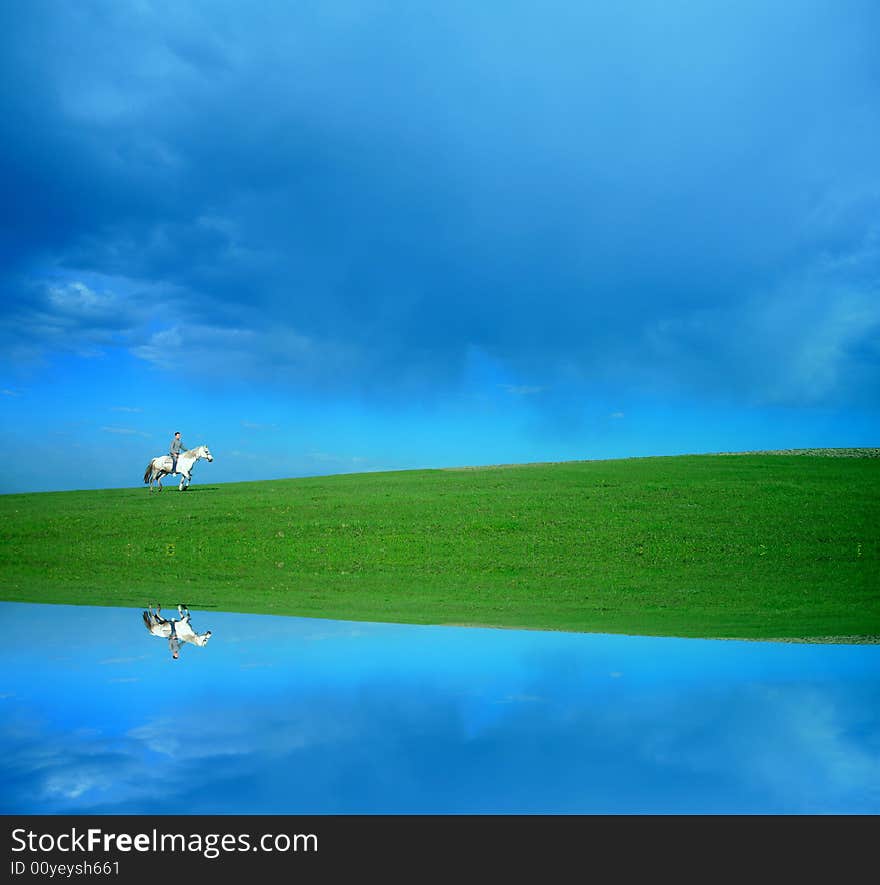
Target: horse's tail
{"type": "Point", "coordinates": [148, 471]}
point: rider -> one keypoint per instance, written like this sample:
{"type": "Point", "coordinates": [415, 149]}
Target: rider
{"type": "Point", "coordinates": [174, 642]}
{"type": "Point", "coordinates": [176, 448]}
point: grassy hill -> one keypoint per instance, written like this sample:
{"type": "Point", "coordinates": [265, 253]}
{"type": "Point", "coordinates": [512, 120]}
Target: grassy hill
{"type": "Point", "coordinates": [752, 546]}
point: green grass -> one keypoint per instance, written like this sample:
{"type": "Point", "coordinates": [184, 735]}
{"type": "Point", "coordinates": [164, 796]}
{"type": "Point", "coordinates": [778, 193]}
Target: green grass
{"type": "Point", "coordinates": [751, 546]}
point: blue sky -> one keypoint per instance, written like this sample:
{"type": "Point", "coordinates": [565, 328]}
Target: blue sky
{"type": "Point", "coordinates": [365, 234]}
{"type": "Point", "coordinates": [297, 715]}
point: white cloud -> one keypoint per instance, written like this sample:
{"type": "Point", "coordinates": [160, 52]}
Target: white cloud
{"type": "Point", "coordinates": [329, 458]}
{"type": "Point", "coordinates": [248, 456]}
{"type": "Point", "coordinates": [522, 699]}
{"type": "Point", "coordinates": [77, 299]}
{"type": "Point", "coordinates": [68, 317]}
{"type": "Point", "coordinates": [280, 353]}
{"type": "Point", "coordinates": [125, 431]}
{"type": "Point", "coordinates": [811, 339]}
{"type": "Point", "coordinates": [522, 389]}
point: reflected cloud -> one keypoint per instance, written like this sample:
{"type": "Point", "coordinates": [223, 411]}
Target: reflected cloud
{"type": "Point", "coordinates": [445, 720]}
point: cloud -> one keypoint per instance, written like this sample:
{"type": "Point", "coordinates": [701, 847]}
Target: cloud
{"type": "Point", "coordinates": [250, 456]}
{"type": "Point", "coordinates": [64, 318]}
{"type": "Point", "coordinates": [329, 458]}
{"type": "Point", "coordinates": [277, 355]}
{"type": "Point", "coordinates": [522, 699]}
{"type": "Point", "coordinates": [811, 338]}
{"type": "Point", "coordinates": [740, 748]}
{"type": "Point", "coordinates": [812, 753]}
{"type": "Point", "coordinates": [353, 199]}
{"type": "Point", "coordinates": [65, 773]}
{"type": "Point", "coordinates": [522, 389]}
{"type": "Point", "coordinates": [125, 431]}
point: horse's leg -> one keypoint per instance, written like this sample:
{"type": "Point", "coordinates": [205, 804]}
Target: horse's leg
{"type": "Point", "coordinates": [150, 617]}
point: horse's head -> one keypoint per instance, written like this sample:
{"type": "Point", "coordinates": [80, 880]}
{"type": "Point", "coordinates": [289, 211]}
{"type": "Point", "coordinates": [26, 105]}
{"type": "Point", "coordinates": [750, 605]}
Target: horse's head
{"type": "Point", "coordinates": [202, 638]}
{"type": "Point", "coordinates": [208, 454]}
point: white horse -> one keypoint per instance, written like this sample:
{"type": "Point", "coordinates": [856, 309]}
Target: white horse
{"type": "Point", "coordinates": [162, 466]}
{"type": "Point", "coordinates": [174, 630]}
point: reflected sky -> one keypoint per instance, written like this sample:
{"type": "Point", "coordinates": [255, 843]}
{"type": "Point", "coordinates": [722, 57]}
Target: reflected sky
{"type": "Point", "coordinates": [296, 715]}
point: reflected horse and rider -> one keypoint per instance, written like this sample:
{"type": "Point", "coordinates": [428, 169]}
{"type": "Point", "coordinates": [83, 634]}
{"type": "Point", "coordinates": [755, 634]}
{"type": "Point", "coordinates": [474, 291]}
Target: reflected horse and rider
{"type": "Point", "coordinates": [175, 630]}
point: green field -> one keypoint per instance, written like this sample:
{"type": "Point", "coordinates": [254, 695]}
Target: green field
{"type": "Point", "coordinates": [751, 546]}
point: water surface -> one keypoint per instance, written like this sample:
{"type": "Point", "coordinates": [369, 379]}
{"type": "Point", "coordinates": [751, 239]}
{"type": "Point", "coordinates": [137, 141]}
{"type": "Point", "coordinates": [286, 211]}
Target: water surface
{"type": "Point", "coordinates": [296, 715]}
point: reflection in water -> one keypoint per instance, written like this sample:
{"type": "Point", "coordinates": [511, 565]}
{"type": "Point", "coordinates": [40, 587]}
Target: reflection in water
{"type": "Point", "coordinates": [293, 715]}
{"type": "Point", "coordinates": [175, 630]}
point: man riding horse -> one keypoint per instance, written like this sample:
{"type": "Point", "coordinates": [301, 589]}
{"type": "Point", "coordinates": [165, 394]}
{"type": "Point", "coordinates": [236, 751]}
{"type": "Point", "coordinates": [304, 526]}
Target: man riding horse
{"type": "Point", "coordinates": [178, 460]}
{"type": "Point", "coordinates": [176, 448]}
{"type": "Point", "coordinates": [175, 630]}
